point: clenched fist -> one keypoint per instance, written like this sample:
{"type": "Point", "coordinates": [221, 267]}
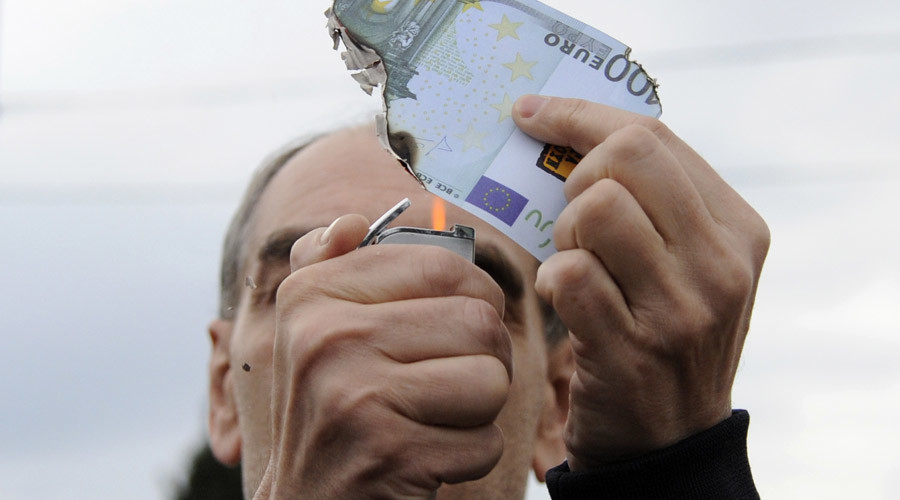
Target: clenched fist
{"type": "Point", "coordinates": [655, 279]}
{"type": "Point", "coordinates": [372, 384]}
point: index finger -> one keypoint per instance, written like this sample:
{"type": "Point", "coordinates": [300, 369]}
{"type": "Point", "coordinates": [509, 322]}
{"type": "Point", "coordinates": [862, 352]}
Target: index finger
{"type": "Point", "coordinates": [581, 124]}
{"type": "Point", "coordinates": [389, 273]}
{"type": "Point", "coordinates": [342, 236]}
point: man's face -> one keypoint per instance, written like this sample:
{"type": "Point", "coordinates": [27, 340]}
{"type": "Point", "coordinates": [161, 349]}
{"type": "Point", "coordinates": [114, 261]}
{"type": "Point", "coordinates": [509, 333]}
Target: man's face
{"type": "Point", "coordinates": [348, 172]}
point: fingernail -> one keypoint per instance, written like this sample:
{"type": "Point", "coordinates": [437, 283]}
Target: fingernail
{"type": "Point", "coordinates": [529, 105]}
{"type": "Point", "coordinates": [325, 237]}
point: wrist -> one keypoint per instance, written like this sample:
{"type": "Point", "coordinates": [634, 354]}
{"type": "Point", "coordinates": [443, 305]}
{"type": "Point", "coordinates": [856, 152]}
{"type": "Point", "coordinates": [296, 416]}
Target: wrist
{"type": "Point", "coordinates": [710, 464]}
{"type": "Point", "coordinates": [586, 451]}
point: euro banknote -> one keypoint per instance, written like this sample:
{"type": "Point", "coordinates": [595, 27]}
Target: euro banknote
{"type": "Point", "coordinates": [449, 72]}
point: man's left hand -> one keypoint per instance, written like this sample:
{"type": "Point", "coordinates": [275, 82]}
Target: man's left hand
{"type": "Point", "coordinates": [655, 278]}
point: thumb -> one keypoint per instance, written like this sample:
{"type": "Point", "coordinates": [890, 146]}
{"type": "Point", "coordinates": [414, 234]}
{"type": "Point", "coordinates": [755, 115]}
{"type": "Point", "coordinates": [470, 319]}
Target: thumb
{"type": "Point", "coordinates": [575, 123]}
{"type": "Point", "coordinates": [342, 236]}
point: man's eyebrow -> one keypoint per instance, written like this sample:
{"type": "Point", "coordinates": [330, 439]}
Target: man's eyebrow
{"type": "Point", "coordinates": [277, 247]}
{"type": "Point", "coordinates": [488, 257]}
{"type": "Point", "coordinates": [493, 261]}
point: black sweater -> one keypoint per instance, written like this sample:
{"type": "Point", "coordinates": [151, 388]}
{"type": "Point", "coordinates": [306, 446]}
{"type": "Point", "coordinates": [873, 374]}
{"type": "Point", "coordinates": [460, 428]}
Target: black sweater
{"type": "Point", "coordinates": [710, 465]}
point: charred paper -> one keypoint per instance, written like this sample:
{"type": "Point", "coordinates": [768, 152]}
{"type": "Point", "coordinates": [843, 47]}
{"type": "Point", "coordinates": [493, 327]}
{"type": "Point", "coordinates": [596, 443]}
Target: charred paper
{"type": "Point", "coordinates": [449, 72]}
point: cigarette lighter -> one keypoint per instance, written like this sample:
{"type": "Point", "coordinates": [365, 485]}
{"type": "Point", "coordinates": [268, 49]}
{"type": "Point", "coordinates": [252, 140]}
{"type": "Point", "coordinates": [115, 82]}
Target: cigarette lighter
{"type": "Point", "coordinates": [459, 239]}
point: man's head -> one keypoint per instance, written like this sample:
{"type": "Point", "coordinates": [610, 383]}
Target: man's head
{"type": "Point", "coordinates": [308, 187]}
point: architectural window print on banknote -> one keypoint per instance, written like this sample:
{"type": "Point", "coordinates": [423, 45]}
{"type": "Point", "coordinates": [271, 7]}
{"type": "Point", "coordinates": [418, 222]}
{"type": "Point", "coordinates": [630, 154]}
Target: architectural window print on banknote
{"type": "Point", "coordinates": [449, 72]}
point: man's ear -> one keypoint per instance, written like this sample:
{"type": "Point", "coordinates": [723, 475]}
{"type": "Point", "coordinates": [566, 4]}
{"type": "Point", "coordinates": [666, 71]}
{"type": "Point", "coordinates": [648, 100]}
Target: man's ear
{"type": "Point", "coordinates": [224, 431]}
{"type": "Point", "coordinates": [550, 449]}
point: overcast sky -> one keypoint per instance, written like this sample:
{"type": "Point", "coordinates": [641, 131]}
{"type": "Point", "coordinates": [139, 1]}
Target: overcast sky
{"type": "Point", "coordinates": [128, 127]}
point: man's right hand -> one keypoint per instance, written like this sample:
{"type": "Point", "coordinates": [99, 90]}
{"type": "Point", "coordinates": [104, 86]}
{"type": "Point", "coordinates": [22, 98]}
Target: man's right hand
{"type": "Point", "coordinates": [391, 364]}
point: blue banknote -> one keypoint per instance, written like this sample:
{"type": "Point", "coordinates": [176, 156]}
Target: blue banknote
{"type": "Point", "coordinates": [450, 71]}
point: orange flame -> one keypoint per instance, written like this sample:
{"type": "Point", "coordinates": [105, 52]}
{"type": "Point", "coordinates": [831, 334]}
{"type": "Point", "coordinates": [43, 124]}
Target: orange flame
{"type": "Point", "coordinates": [438, 214]}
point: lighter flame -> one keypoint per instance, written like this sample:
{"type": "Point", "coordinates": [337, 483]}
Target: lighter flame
{"type": "Point", "coordinates": [438, 214]}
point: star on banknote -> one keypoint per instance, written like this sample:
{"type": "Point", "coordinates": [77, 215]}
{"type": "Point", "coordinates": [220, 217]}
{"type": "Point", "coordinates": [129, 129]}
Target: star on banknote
{"type": "Point", "coordinates": [520, 68]}
{"type": "Point", "coordinates": [505, 108]}
{"type": "Point", "coordinates": [450, 71]}
{"type": "Point", "coordinates": [469, 4]}
{"type": "Point", "coordinates": [506, 28]}
{"type": "Point", "coordinates": [472, 138]}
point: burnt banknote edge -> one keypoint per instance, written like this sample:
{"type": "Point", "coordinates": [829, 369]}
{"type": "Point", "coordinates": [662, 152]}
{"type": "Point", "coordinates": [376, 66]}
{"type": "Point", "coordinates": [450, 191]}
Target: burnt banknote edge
{"type": "Point", "coordinates": [370, 73]}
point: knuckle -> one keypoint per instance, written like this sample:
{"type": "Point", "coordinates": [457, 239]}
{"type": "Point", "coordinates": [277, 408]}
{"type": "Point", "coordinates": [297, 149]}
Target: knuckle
{"type": "Point", "coordinates": [296, 288]}
{"type": "Point", "coordinates": [574, 114]}
{"type": "Point", "coordinates": [287, 288]}
{"type": "Point", "coordinates": [309, 341]}
{"type": "Point", "coordinates": [760, 239]}
{"type": "Point", "coordinates": [602, 203]}
{"type": "Point", "coordinates": [496, 386]}
{"type": "Point", "coordinates": [729, 278]}
{"type": "Point", "coordinates": [735, 284]}
{"type": "Point", "coordinates": [752, 232]}
{"type": "Point", "coordinates": [486, 321]}
{"type": "Point", "coordinates": [350, 406]}
{"type": "Point", "coordinates": [447, 274]}
{"type": "Point", "coordinates": [486, 379]}
{"type": "Point", "coordinates": [711, 310]}
{"type": "Point", "coordinates": [701, 320]}
{"type": "Point", "coordinates": [493, 449]}
{"type": "Point", "coordinates": [440, 269]}
{"type": "Point", "coordinates": [655, 127]}
{"type": "Point", "coordinates": [486, 324]}
{"type": "Point", "coordinates": [631, 144]}
{"type": "Point", "coordinates": [392, 467]}
{"type": "Point", "coordinates": [572, 270]}
{"type": "Point", "coordinates": [494, 296]}
{"type": "Point", "coordinates": [317, 339]}
{"type": "Point", "coordinates": [563, 229]}
{"type": "Point", "coordinates": [690, 321]}
{"type": "Point", "coordinates": [474, 457]}
{"type": "Point", "coordinates": [476, 460]}
{"type": "Point", "coordinates": [489, 294]}
{"type": "Point", "coordinates": [482, 316]}
{"type": "Point", "coordinates": [566, 283]}
{"type": "Point", "coordinates": [697, 321]}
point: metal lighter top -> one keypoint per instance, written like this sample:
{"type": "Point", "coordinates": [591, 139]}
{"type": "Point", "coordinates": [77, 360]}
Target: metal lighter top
{"type": "Point", "coordinates": [459, 239]}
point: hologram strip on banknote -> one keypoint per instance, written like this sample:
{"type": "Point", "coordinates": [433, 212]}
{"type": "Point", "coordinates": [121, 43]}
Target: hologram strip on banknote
{"type": "Point", "coordinates": [450, 70]}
